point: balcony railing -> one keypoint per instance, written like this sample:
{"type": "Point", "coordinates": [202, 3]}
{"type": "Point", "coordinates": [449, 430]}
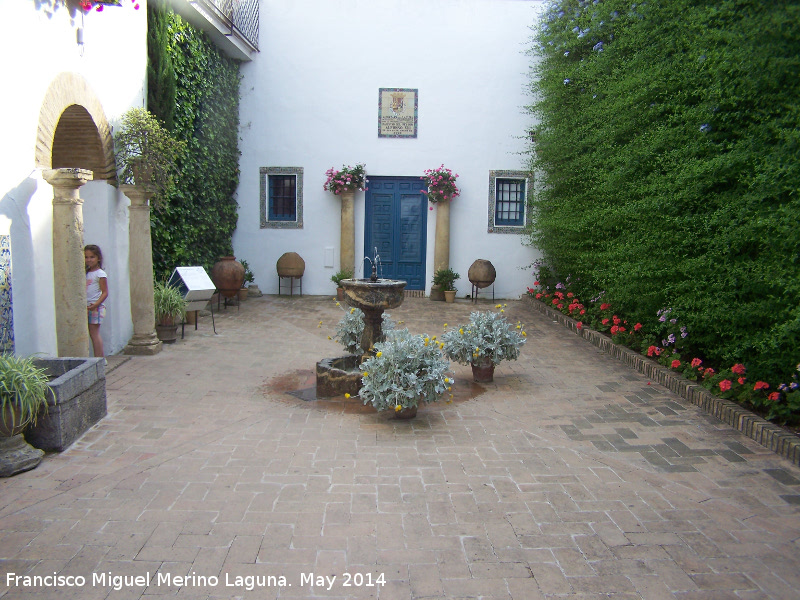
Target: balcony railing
{"type": "Point", "coordinates": [241, 16]}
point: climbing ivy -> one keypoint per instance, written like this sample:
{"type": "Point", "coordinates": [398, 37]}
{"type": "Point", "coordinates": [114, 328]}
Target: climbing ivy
{"type": "Point", "coordinates": [197, 224]}
{"type": "Point", "coordinates": [668, 140]}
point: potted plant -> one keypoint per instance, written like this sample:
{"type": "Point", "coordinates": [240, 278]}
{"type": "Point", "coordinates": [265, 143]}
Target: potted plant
{"type": "Point", "coordinates": [170, 309]}
{"type": "Point", "coordinates": [248, 279]}
{"type": "Point", "coordinates": [348, 179]}
{"type": "Point", "coordinates": [146, 153]}
{"type": "Point", "coordinates": [405, 370]}
{"type": "Point", "coordinates": [483, 343]}
{"type": "Point", "coordinates": [337, 279]}
{"type": "Point", "coordinates": [23, 393]}
{"type": "Point", "coordinates": [441, 184]}
{"type": "Point", "coordinates": [445, 279]}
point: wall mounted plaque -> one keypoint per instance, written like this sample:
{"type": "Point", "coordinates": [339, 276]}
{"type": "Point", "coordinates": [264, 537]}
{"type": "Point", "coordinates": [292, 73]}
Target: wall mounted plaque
{"type": "Point", "coordinates": [397, 112]}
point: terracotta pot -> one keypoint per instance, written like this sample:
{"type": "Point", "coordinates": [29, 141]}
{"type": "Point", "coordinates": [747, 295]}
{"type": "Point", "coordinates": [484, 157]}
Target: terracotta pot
{"type": "Point", "coordinates": [406, 413]}
{"type": "Point", "coordinates": [228, 276]}
{"type": "Point", "coordinates": [482, 273]}
{"type": "Point", "coordinates": [483, 372]}
{"type": "Point", "coordinates": [291, 264]}
{"type": "Point", "coordinates": [243, 293]}
{"type": "Point", "coordinates": [167, 333]}
{"type": "Point", "coordinates": [340, 294]}
{"type": "Point", "coordinates": [450, 296]}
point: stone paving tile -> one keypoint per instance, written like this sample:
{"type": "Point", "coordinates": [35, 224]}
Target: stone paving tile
{"type": "Point", "coordinates": [569, 476]}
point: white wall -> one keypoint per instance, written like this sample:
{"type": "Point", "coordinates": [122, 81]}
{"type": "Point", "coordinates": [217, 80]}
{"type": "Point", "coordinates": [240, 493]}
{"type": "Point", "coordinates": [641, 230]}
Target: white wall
{"type": "Point", "coordinates": [310, 97]}
{"type": "Point", "coordinates": [39, 41]}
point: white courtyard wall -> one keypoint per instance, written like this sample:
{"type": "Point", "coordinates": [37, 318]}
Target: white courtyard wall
{"type": "Point", "coordinates": [39, 42]}
{"type": "Point", "coordinates": [310, 99]}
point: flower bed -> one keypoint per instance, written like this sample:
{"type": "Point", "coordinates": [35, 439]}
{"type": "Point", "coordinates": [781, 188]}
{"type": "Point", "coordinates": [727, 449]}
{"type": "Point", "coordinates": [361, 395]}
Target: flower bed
{"type": "Point", "coordinates": [780, 440]}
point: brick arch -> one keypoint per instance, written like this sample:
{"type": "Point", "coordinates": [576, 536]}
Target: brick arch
{"type": "Point", "coordinates": [73, 129]}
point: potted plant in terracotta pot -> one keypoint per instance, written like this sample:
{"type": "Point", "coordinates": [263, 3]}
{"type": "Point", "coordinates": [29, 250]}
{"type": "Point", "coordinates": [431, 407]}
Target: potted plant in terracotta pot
{"type": "Point", "coordinates": [405, 371]}
{"type": "Point", "coordinates": [23, 396]}
{"type": "Point", "coordinates": [483, 343]}
{"type": "Point", "coordinates": [23, 393]}
{"type": "Point", "coordinates": [337, 279]}
{"type": "Point", "coordinates": [170, 309]}
{"type": "Point", "coordinates": [248, 279]}
{"type": "Point", "coordinates": [146, 153]}
{"type": "Point", "coordinates": [445, 279]}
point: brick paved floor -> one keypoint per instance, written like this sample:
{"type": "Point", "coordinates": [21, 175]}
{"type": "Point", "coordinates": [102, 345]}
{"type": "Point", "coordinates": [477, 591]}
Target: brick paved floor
{"type": "Point", "coordinates": [570, 476]}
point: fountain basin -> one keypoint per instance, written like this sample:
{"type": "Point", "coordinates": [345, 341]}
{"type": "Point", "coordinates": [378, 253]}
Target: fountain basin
{"type": "Point", "coordinates": [370, 295]}
{"type": "Point", "coordinates": [339, 376]}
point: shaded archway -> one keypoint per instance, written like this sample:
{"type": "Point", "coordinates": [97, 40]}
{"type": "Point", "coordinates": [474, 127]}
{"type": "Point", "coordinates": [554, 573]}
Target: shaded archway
{"type": "Point", "coordinates": [73, 145]}
{"type": "Point", "coordinates": [73, 130]}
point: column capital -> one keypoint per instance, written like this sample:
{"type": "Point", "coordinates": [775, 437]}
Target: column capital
{"type": "Point", "coordinates": [138, 194]}
{"type": "Point", "coordinates": [67, 178]}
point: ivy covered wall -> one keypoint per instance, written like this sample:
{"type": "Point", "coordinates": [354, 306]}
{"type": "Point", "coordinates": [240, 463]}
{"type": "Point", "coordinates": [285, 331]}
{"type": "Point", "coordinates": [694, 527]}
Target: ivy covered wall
{"type": "Point", "coordinates": [669, 146]}
{"type": "Point", "coordinates": [193, 86]}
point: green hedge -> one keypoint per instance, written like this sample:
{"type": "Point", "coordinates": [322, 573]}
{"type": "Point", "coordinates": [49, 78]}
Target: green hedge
{"type": "Point", "coordinates": [196, 226]}
{"type": "Point", "coordinates": [668, 142]}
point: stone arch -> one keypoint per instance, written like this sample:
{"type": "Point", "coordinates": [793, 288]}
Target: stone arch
{"type": "Point", "coordinates": [73, 129]}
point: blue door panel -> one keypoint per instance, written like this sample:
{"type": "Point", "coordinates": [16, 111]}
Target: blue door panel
{"type": "Point", "coordinates": [396, 222]}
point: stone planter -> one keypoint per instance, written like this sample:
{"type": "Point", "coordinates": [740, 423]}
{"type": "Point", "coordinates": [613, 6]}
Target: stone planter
{"type": "Point", "coordinates": [79, 387]}
{"type": "Point", "coordinates": [338, 376]}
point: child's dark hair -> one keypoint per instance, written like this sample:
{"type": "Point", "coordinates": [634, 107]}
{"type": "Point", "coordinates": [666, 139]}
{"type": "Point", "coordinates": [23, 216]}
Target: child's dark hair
{"type": "Point", "coordinates": [97, 252]}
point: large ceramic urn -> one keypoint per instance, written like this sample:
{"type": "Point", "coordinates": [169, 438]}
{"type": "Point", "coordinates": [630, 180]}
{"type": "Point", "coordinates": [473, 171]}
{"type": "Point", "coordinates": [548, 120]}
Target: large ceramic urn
{"type": "Point", "coordinates": [481, 274]}
{"type": "Point", "coordinates": [228, 276]}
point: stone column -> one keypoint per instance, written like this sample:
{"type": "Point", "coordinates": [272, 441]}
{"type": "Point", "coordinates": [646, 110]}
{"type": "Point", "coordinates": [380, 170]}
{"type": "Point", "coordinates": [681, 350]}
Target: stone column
{"type": "Point", "coordinates": [347, 253]}
{"type": "Point", "coordinates": [69, 268]}
{"type": "Point", "coordinates": [441, 247]}
{"type": "Point", "coordinates": [140, 264]}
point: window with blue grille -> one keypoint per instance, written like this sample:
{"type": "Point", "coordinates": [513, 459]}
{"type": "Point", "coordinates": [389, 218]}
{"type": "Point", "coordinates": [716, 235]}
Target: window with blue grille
{"type": "Point", "coordinates": [282, 197]}
{"type": "Point", "coordinates": [509, 205]}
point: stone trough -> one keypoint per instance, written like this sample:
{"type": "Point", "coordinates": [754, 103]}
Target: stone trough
{"type": "Point", "coordinates": [79, 387]}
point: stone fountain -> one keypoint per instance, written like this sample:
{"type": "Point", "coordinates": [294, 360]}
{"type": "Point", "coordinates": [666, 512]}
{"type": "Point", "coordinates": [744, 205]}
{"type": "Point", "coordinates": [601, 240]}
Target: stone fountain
{"type": "Point", "coordinates": [336, 376]}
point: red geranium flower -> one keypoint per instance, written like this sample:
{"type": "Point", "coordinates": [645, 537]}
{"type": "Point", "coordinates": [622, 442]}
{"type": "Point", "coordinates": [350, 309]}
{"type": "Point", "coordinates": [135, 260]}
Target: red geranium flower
{"type": "Point", "coordinates": [696, 362]}
{"type": "Point", "coordinates": [637, 327]}
{"type": "Point", "coordinates": [761, 385]}
{"type": "Point", "coordinates": [774, 396]}
{"type": "Point", "coordinates": [741, 380]}
{"type": "Point", "coordinates": [676, 363]}
{"type": "Point", "coordinates": [725, 385]}
{"type": "Point", "coordinates": [738, 369]}
{"type": "Point", "coordinates": [605, 306]}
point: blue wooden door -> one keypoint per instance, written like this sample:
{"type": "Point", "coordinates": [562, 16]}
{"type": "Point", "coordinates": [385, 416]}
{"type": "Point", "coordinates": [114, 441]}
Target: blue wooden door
{"type": "Point", "coordinates": [396, 224]}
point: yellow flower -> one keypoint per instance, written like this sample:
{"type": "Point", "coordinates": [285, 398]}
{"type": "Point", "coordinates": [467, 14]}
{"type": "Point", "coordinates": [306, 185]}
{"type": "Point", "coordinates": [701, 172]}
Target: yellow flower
{"type": "Point", "coordinates": [400, 322]}
{"type": "Point", "coordinates": [352, 310]}
{"type": "Point", "coordinates": [329, 337]}
{"type": "Point", "coordinates": [447, 380]}
{"type": "Point", "coordinates": [379, 354]}
{"type": "Point", "coordinates": [337, 304]}
{"type": "Point", "coordinates": [477, 349]}
{"type": "Point", "coordinates": [346, 395]}
{"type": "Point", "coordinates": [398, 408]}
{"type": "Point", "coordinates": [504, 305]}
{"type": "Point", "coordinates": [519, 326]}
{"type": "Point", "coordinates": [427, 339]}
{"type": "Point", "coordinates": [441, 345]}
{"type": "Point", "coordinates": [426, 344]}
{"type": "Point", "coordinates": [449, 388]}
{"type": "Point", "coordinates": [524, 334]}
{"type": "Point", "coordinates": [461, 331]}
{"type": "Point", "coordinates": [365, 374]}
{"type": "Point", "coordinates": [498, 306]}
{"type": "Point", "coordinates": [448, 402]}
{"type": "Point", "coordinates": [445, 325]}
{"type": "Point", "coordinates": [502, 310]}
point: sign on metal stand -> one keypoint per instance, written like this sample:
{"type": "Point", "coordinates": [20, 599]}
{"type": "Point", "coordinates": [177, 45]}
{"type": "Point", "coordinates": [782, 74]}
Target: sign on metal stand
{"type": "Point", "coordinates": [197, 289]}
